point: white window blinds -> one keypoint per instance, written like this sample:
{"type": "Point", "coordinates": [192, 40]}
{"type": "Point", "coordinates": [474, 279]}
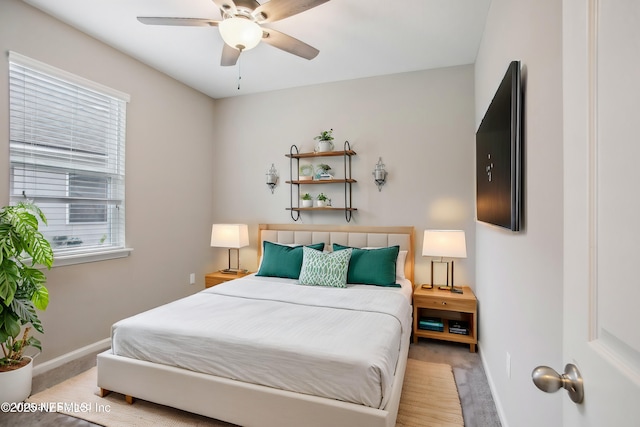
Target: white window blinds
{"type": "Point", "coordinates": [67, 138]}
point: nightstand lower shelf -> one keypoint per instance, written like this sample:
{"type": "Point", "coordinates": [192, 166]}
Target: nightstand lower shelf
{"type": "Point", "coordinates": [445, 335]}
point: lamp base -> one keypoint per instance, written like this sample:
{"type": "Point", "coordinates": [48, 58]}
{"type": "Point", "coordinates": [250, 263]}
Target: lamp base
{"type": "Point", "coordinates": [450, 289]}
{"type": "Point", "coordinates": [232, 271]}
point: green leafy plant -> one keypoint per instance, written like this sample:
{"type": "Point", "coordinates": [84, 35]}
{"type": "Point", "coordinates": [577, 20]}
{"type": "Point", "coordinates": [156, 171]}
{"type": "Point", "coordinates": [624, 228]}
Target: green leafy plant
{"type": "Point", "coordinates": [325, 135]}
{"type": "Point", "coordinates": [324, 167]}
{"type": "Point", "coordinates": [306, 196]}
{"type": "Point", "coordinates": [322, 197]}
{"type": "Point", "coordinates": [22, 290]}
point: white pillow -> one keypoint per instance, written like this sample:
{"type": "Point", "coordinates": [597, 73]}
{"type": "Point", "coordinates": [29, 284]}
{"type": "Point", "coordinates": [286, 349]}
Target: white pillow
{"type": "Point", "coordinates": [400, 261]}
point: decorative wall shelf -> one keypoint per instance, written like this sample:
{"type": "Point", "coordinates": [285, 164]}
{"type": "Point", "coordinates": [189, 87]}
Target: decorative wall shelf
{"type": "Point", "coordinates": [295, 182]}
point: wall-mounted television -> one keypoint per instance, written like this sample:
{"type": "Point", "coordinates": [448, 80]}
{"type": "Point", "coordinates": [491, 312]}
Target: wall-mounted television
{"type": "Point", "coordinates": [499, 155]}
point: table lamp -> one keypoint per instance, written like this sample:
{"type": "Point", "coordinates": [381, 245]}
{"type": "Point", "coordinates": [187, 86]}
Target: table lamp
{"type": "Point", "coordinates": [231, 236]}
{"type": "Point", "coordinates": [444, 244]}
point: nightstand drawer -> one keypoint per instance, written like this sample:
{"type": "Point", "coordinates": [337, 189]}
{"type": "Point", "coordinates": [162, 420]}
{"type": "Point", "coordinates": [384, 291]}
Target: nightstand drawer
{"type": "Point", "coordinates": [445, 304]}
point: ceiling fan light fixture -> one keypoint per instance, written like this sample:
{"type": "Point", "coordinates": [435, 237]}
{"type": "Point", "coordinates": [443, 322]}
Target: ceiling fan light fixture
{"type": "Point", "coordinates": [240, 33]}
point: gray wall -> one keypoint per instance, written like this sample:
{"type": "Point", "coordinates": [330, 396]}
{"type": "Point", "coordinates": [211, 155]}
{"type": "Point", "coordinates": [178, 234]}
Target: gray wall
{"type": "Point", "coordinates": [170, 145]}
{"type": "Point", "coordinates": [519, 275]}
{"type": "Point", "coordinates": [420, 123]}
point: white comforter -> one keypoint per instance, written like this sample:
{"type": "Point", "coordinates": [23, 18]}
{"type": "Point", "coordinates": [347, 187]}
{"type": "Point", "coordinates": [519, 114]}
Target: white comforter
{"type": "Point", "coordinates": [331, 342]}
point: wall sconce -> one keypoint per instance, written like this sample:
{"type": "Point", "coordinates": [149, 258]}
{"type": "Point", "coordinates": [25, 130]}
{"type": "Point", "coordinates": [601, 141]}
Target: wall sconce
{"type": "Point", "coordinates": [379, 174]}
{"type": "Point", "coordinates": [272, 178]}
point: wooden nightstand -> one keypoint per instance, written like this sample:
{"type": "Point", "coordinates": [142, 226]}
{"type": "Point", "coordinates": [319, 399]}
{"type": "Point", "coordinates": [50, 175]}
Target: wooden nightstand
{"type": "Point", "coordinates": [449, 307]}
{"type": "Point", "coordinates": [218, 277]}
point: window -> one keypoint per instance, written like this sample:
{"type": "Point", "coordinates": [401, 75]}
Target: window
{"type": "Point", "coordinates": [88, 187]}
{"type": "Point", "coordinates": [67, 139]}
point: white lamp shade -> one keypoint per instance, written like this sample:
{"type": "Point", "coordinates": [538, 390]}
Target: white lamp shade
{"type": "Point", "coordinates": [444, 243]}
{"type": "Point", "coordinates": [240, 33]}
{"type": "Point", "coordinates": [229, 235]}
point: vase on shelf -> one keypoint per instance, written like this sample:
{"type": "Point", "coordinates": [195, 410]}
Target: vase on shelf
{"type": "Point", "coordinates": [324, 146]}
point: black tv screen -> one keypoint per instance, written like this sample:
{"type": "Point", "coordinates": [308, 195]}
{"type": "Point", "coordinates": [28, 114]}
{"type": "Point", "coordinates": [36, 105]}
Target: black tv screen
{"type": "Point", "coordinates": [499, 155]}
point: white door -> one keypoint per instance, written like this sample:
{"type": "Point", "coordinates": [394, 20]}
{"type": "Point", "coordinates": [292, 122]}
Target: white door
{"type": "Point", "coordinates": [601, 79]}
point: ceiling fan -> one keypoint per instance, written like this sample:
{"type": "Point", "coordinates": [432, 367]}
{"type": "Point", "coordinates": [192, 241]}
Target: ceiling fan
{"type": "Point", "coordinates": [241, 26]}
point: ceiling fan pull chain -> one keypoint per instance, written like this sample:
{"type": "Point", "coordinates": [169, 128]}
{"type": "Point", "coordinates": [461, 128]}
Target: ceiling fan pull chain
{"type": "Point", "coordinates": [239, 73]}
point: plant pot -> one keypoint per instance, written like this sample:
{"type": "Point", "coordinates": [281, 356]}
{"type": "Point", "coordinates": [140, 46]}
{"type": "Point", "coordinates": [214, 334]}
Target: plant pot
{"type": "Point", "coordinates": [321, 203]}
{"type": "Point", "coordinates": [15, 386]}
{"type": "Point", "coordinates": [307, 203]}
{"type": "Point", "coordinates": [324, 146]}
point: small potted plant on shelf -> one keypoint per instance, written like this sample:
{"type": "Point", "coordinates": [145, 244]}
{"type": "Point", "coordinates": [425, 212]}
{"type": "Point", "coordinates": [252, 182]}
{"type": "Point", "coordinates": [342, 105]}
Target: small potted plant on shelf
{"type": "Point", "coordinates": [22, 291]}
{"type": "Point", "coordinates": [307, 200]}
{"type": "Point", "coordinates": [325, 141]}
{"type": "Point", "coordinates": [321, 200]}
{"type": "Point", "coordinates": [323, 172]}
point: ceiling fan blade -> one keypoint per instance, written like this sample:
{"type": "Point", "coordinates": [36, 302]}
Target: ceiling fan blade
{"type": "Point", "coordinates": [288, 43]}
{"type": "Point", "coordinates": [183, 22]}
{"type": "Point", "coordinates": [275, 10]}
{"type": "Point", "coordinates": [229, 56]}
{"type": "Point", "coordinates": [226, 6]}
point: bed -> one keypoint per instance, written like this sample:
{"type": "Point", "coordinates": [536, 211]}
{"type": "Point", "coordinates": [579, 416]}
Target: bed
{"type": "Point", "coordinates": [266, 350]}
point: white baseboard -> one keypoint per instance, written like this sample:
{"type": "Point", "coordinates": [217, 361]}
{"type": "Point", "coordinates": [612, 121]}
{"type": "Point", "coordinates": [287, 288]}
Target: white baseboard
{"type": "Point", "coordinates": [496, 399]}
{"type": "Point", "coordinates": [41, 368]}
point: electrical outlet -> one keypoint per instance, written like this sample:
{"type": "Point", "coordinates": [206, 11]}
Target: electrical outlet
{"type": "Point", "coordinates": [192, 278]}
{"type": "Point", "coordinates": [508, 365]}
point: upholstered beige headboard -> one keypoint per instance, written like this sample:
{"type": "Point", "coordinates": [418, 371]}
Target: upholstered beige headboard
{"type": "Point", "coordinates": [355, 236]}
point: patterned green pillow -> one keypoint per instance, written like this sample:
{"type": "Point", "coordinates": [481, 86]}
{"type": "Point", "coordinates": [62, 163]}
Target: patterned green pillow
{"type": "Point", "coordinates": [324, 269]}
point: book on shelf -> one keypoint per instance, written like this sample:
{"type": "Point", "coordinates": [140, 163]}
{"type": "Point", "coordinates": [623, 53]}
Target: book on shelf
{"type": "Point", "coordinates": [431, 328]}
{"type": "Point", "coordinates": [459, 327]}
{"type": "Point", "coordinates": [459, 324]}
{"type": "Point", "coordinates": [431, 321]}
{"type": "Point", "coordinates": [431, 324]}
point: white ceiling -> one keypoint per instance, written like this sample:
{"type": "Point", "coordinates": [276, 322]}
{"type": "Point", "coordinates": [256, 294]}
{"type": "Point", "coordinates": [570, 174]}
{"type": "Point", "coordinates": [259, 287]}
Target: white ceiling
{"type": "Point", "coordinates": [356, 38]}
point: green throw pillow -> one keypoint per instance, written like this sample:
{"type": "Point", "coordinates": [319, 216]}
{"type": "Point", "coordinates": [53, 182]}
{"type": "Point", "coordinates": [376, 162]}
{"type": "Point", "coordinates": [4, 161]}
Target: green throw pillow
{"type": "Point", "coordinates": [281, 260]}
{"type": "Point", "coordinates": [372, 266]}
{"type": "Point", "coordinates": [324, 269]}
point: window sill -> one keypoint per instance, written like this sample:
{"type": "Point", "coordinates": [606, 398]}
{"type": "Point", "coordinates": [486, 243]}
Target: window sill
{"type": "Point", "coordinates": [71, 259]}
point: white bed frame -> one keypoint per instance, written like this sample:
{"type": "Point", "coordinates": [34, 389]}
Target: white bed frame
{"type": "Point", "coordinates": [248, 404]}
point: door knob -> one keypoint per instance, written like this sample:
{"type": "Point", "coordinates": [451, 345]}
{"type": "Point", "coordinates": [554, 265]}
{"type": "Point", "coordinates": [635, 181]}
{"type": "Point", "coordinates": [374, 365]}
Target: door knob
{"type": "Point", "coordinates": [549, 381]}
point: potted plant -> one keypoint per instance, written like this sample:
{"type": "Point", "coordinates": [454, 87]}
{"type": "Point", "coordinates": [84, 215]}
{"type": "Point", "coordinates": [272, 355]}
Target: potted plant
{"type": "Point", "coordinates": [321, 200]}
{"type": "Point", "coordinates": [323, 172]}
{"type": "Point", "coordinates": [307, 200]}
{"type": "Point", "coordinates": [325, 141]}
{"type": "Point", "coordinates": [22, 291]}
